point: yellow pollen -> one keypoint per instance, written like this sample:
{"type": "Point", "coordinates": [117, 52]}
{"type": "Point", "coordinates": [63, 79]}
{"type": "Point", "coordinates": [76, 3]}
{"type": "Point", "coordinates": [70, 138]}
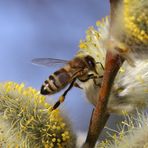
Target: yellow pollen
{"type": "Point", "coordinates": [61, 99]}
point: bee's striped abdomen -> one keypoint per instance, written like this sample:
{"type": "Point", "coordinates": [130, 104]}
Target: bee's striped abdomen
{"type": "Point", "coordinates": [57, 81]}
{"type": "Point", "coordinates": [49, 86]}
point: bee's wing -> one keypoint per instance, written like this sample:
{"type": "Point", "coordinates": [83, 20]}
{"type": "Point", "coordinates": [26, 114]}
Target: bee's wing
{"type": "Point", "coordinates": [48, 62]}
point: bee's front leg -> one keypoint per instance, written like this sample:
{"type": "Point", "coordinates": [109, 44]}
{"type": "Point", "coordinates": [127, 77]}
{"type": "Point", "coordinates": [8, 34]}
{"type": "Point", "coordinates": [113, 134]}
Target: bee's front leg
{"type": "Point", "coordinates": [62, 97]}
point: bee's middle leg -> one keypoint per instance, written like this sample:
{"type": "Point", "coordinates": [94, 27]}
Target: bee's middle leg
{"type": "Point", "coordinates": [94, 78]}
{"type": "Point", "coordinates": [62, 97]}
{"type": "Point", "coordinates": [90, 76]}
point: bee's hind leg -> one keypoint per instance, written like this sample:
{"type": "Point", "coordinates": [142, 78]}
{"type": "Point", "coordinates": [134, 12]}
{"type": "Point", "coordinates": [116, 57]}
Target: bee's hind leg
{"type": "Point", "coordinates": [62, 97]}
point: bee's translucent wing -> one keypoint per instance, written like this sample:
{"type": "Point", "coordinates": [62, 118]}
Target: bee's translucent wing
{"type": "Point", "coordinates": [48, 61]}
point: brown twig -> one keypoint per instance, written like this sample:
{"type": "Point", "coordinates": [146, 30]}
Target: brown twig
{"type": "Point", "coordinates": [100, 115]}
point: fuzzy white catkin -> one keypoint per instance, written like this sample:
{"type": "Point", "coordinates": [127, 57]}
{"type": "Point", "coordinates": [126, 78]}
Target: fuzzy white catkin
{"type": "Point", "coordinates": [130, 89]}
{"type": "Point", "coordinates": [132, 133]}
{"type": "Point", "coordinates": [81, 136]}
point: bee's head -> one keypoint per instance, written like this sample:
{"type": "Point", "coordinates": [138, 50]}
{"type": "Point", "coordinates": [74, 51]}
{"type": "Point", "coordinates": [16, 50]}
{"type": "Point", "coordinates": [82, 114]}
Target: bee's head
{"type": "Point", "coordinates": [91, 63]}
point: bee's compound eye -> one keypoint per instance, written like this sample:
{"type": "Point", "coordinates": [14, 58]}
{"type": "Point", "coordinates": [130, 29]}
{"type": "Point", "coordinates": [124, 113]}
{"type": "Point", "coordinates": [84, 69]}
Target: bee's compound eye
{"type": "Point", "coordinates": [90, 61]}
{"type": "Point", "coordinates": [44, 90]}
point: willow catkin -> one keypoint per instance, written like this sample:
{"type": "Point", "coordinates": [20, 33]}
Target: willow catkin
{"type": "Point", "coordinates": [130, 29]}
{"type": "Point", "coordinates": [132, 133]}
{"type": "Point", "coordinates": [26, 120]}
{"type": "Point", "coordinates": [130, 89]}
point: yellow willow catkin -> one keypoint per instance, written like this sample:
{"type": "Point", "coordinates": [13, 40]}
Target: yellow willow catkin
{"type": "Point", "coordinates": [26, 120]}
{"type": "Point", "coordinates": [136, 19]}
{"type": "Point", "coordinates": [130, 28]}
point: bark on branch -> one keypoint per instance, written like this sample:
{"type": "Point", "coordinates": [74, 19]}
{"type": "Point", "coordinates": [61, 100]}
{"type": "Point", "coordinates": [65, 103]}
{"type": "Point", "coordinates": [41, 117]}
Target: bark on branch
{"type": "Point", "coordinates": [100, 114]}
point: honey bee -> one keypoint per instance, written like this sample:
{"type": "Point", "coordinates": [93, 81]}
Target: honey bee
{"type": "Point", "coordinates": [79, 68]}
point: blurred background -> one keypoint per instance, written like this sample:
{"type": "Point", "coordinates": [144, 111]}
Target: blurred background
{"type": "Point", "coordinates": [46, 28]}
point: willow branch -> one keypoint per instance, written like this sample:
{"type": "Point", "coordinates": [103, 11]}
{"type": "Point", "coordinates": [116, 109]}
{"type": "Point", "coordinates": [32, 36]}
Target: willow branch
{"type": "Point", "coordinates": [100, 115]}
